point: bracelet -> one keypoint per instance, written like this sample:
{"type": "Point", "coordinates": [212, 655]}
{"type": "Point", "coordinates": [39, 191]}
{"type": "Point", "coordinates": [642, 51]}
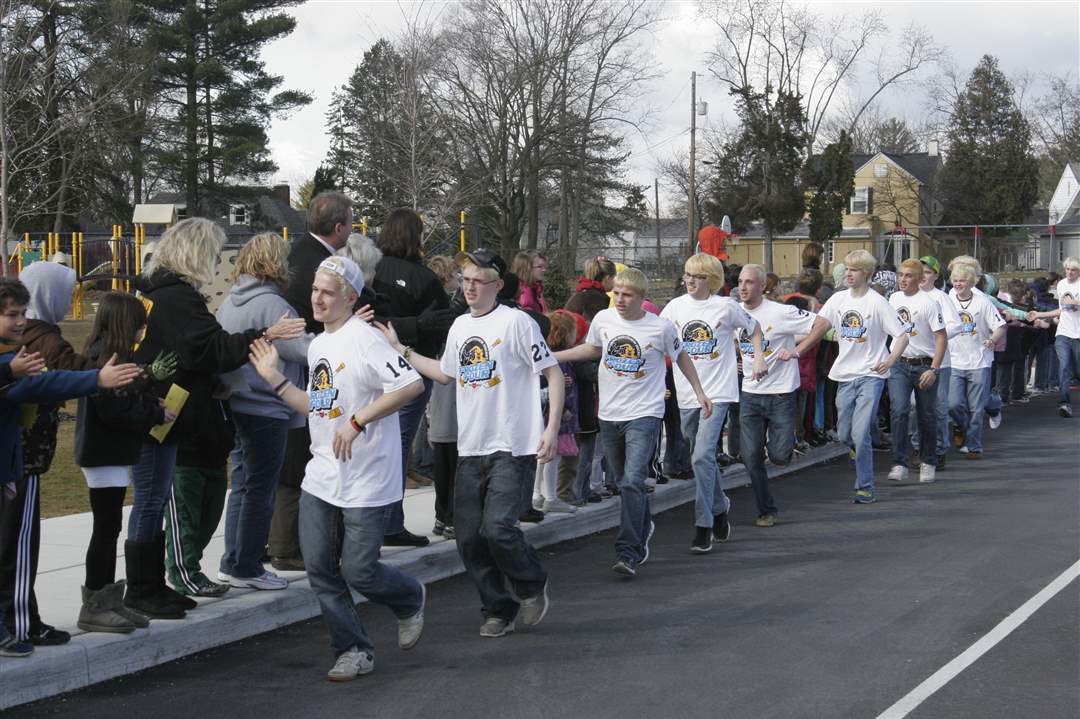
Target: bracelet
{"type": "Point", "coordinates": [277, 390]}
{"type": "Point", "coordinates": [406, 352]}
{"type": "Point", "coordinates": [356, 425]}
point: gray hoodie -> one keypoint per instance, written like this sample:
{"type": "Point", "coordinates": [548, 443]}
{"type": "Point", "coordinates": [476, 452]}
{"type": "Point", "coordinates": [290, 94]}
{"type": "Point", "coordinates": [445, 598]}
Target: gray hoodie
{"type": "Point", "coordinates": [50, 285]}
{"type": "Point", "coordinates": [251, 304]}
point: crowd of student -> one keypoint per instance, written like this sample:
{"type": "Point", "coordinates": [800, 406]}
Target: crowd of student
{"type": "Point", "coordinates": [315, 375]}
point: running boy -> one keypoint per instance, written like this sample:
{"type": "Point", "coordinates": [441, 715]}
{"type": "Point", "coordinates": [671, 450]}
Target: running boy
{"type": "Point", "coordinates": [864, 320]}
{"type": "Point", "coordinates": [357, 385]}
{"type": "Point", "coordinates": [495, 355]}
{"type": "Point", "coordinates": [631, 345]}
{"type": "Point", "coordinates": [706, 323]}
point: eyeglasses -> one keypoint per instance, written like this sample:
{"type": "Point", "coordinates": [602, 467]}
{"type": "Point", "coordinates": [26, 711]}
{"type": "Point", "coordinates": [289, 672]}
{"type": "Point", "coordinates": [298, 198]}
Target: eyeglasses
{"type": "Point", "coordinates": [473, 282]}
{"type": "Point", "coordinates": [700, 278]}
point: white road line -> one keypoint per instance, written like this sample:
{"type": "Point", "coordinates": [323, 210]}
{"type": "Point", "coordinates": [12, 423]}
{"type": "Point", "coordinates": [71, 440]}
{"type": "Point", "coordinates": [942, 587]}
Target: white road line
{"type": "Point", "coordinates": [970, 655]}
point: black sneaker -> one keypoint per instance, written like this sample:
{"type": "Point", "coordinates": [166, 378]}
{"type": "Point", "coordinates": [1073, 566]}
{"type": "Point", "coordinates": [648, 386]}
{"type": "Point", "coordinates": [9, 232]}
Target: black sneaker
{"type": "Point", "coordinates": [702, 543]}
{"type": "Point", "coordinates": [624, 567]}
{"type": "Point", "coordinates": [940, 467]}
{"type": "Point", "coordinates": [10, 647]}
{"type": "Point", "coordinates": [595, 498]}
{"type": "Point", "coordinates": [45, 636]}
{"type": "Point", "coordinates": [724, 459]}
{"type": "Point", "coordinates": [532, 516]}
{"type": "Point", "coordinates": [721, 529]}
{"type": "Point", "coordinates": [405, 539]}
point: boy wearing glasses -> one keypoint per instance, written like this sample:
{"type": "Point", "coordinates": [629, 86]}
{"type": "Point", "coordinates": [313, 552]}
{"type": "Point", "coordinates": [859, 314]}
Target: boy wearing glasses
{"type": "Point", "coordinates": [631, 345]}
{"type": "Point", "coordinates": [706, 324]}
{"type": "Point", "coordinates": [495, 354]}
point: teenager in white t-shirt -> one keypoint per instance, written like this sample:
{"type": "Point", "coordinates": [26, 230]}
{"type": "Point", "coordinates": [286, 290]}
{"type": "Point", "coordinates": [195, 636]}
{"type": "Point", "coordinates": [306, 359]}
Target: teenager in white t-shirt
{"type": "Point", "coordinates": [357, 385]}
{"type": "Point", "coordinates": [972, 354]}
{"type": "Point", "coordinates": [864, 321]}
{"type": "Point", "coordinates": [494, 355]}
{"type": "Point", "coordinates": [931, 270]}
{"type": "Point", "coordinates": [706, 324]}
{"type": "Point", "coordinates": [767, 406]}
{"type": "Point", "coordinates": [916, 371]}
{"type": "Point", "coordinates": [1067, 344]}
{"type": "Point", "coordinates": [632, 345]}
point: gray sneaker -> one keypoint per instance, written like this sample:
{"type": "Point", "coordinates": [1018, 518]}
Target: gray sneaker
{"type": "Point", "coordinates": [409, 630]}
{"type": "Point", "coordinates": [496, 627]}
{"type": "Point", "coordinates": [350, 665]}
{"type": "Point", "coordinates": [533, 609]}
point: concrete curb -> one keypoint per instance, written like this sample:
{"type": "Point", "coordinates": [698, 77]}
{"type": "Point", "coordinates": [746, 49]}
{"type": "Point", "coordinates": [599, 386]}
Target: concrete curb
{"type": "Point", "coordinates": [95, 657]}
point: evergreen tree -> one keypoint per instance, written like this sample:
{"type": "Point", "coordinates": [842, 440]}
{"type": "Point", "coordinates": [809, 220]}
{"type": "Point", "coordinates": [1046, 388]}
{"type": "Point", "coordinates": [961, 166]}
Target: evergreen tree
{"type": "Point", "coordinates": [991, 176]}
{"type": "Point", "coordinates": [832, 183]}
{"type": "Point", "coordinates": [759, 170]}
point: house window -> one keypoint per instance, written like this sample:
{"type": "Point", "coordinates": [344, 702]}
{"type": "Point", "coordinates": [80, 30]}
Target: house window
{"type": "Point", "coordinates": [238, 215]}
{"type": "Point", "coordinates": [181, 213]}
{"type": "Point", "coordinates": [860, 201]}
{"type": "Point", "coordinates": [830, 252]}
{"type": "Point", "coordinates": [881, 170]}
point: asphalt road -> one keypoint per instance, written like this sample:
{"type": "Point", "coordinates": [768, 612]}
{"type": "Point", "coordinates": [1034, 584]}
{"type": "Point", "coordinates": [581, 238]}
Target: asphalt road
{"type": "Point", "coordinates": [838, 611]}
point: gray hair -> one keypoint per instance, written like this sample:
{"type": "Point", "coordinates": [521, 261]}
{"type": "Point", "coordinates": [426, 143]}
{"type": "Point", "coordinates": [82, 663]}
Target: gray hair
{"type": "Point", "coordinates": [190, 249]}
{"type": "Point", "coordinates": [361, 250]}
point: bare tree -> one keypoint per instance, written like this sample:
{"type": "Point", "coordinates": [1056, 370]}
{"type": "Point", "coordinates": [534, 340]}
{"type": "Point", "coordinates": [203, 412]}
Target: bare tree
{"type": "Point", "coordinates": [786, 47]}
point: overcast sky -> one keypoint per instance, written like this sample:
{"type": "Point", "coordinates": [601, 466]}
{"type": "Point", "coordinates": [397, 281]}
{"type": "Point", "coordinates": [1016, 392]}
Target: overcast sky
{"type": "Point", "coordinates": [331, 37]}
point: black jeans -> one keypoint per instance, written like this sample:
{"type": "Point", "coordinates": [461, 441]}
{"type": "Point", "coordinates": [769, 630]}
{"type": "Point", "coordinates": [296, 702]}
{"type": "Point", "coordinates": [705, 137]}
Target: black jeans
{"type": "Point", "coordinates": [444, 467]}
{"type": "Point", "coordinates": [488, 495]}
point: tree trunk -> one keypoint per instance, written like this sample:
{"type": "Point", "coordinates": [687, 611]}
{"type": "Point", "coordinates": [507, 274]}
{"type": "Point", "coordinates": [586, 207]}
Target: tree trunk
{"type": "Point", "coordinates": [768, 249]}
{"type": "Point", "coordinates": [211, 175]}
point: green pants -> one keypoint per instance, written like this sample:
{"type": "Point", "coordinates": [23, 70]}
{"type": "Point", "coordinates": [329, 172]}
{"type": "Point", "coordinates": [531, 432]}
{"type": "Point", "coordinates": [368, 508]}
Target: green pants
{"type": "Point", "coordinates": [195, 506]}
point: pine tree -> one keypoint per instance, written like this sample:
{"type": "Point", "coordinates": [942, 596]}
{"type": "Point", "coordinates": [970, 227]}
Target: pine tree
{"type": "Point", "coordinates": [832, 182]}
{"type": "Point", "coordinates": [991, 176]}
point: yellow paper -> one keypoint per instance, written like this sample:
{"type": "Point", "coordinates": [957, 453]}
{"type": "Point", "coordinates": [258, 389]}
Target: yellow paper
{"type": "Point", "coordinates": [174, 402]}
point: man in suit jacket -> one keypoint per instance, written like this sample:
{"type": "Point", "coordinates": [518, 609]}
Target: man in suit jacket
{"type": "Point", "coordinates": [330, 219]}
{"type": "Point", "coordinates": [329, 222]}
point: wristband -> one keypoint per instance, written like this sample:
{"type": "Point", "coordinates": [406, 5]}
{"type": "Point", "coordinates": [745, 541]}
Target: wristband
{"type": "Point", "coordinates": [406, 352]}
{"type": "Point", "coordinates": [356, 425]}
{"type": "Point", "coordinates": [277, 390]}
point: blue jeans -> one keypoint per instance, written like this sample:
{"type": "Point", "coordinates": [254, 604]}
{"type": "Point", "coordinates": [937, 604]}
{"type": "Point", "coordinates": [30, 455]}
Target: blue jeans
{"type": "Point", "coordinates": [409, 418]}
{"type": "Point", "coordinates": [710, 499]}
{"type": "Point", "coordinates": [628, 448]}
{"type": "Point", "coordinates": [256, 465]}
{"type": "Point", "coordinates": [902, 380]}
{"type": "Point", "coordinates": [941, 416]}
{"type": "Point", "coordinates": [488, 495]}
{"type": "Point", "coordinates": [341, 551]}
{"type": "Point", "coordinates": [969, 395]}
{"type": "Point", "coordinates": [586, 443]}
{"type": "Point", "coordinates": [761, 415]}
{"type": "Point", "coordinates": [856, 415]}
{"type": "Point", "coordinates": [152, 479]}
{"type": "Point", "coordinates": [1068, 357]}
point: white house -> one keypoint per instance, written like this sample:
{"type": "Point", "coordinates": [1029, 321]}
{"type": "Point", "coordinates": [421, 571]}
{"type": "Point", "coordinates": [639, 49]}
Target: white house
{"type": "Point", "coordinates": [1066, 198]}
{"type": "Point", "coordinates": [1061, 238]}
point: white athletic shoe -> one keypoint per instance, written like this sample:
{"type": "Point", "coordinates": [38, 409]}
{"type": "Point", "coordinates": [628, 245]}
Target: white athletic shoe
{"type": "Point", "coordinates": [409, 630]}
{"type": "Point", "coordinates": [995, 421]}
{"type": "Point", "coordinates": [898, 473]}
{"type": "Point", "coordinates": [350, 665]}
{"type": "Point", "coordinates": [927, 472]}
{"type": "Point", "coordinates": [266, 581]}
{"type": "Point", "coordinates": [557, 506]}
{"type": "Point", "coordinates": [538, 502]}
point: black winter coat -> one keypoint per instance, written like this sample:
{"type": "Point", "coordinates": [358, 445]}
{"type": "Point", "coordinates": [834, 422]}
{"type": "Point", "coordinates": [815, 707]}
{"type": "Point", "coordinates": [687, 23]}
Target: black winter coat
{"type": "Point", "coordinates": [408, 290]}
{"type": "Point", "coordinates": [179, 321]}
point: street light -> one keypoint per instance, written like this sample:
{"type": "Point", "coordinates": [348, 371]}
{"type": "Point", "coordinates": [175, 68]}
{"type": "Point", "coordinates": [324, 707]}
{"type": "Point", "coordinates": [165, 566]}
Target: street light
{"type": "Point", "coordinates": [696, 108]}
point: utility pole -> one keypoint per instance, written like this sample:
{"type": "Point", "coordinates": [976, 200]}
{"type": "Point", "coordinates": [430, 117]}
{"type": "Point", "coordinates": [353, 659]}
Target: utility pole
{"type": "Point", "coordinates": [693, 190]}
{"type": "Point", "coordinates": [656, 204]}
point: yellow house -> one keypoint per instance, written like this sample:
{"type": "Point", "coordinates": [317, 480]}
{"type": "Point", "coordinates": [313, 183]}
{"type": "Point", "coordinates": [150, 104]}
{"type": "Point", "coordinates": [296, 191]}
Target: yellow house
{"type": "Point", "coordinates": [894, 197]}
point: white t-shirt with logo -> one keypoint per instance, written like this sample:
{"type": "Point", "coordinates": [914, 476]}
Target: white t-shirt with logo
{"type": "Point", "coordinates": [978, 320]}
{"type": "Point", "coordinates": [351, 368]}
{"type": "Point", "coordinates": [1069, 321]}
{"type": "Point", "coordinates": [705, 328]}
{"type": "Point", "coordinates": [780, 325]}
{"type": "Point", "coordinates": [862, 327]}
{"type": "Point", "coordinates": [922, 316]}
{"type": "Point", "coordinates": [496, 360]}
{"type": "Point", "coordinates": [952, 321]}
{"type": "Point", "coordinates": [632, 368]}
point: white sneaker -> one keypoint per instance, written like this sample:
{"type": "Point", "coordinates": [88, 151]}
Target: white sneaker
{"type": "Point", "coordinates": [898, 473]}
{"type": "Point", "coordinates": [350, 665]}
{"type": "Point", "coordinates": [926, 473]}
{"type": "Point", "coordinates": [557, 506]}
{"type": "Point", "coordinates": [409, 630]}
{"type": "Point", "coordinates": [963, 450]}
{"type": "Point", "coordinates": [538, 502]}
{"type": "Point", "coordinates": [224, 578]}
{"type": "Point", "coordinates": [995, 421]}
{"type": "Point", "coordinates": [267, 580]}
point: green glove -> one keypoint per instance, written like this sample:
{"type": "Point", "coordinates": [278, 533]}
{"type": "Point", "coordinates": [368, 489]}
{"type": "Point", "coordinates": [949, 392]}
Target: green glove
{"type": "Point", "coordinates": [164, 366]}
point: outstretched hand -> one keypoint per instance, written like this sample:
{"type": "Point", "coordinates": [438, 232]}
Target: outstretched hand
{"type": "Point", "coordinates": [113, 376]}
{"type": "Point", "coordinates": [286, 328]}
{"type": "Point", "coordinates": [264, 358]}
{"type": "Point", "coordinates": [27, 364]}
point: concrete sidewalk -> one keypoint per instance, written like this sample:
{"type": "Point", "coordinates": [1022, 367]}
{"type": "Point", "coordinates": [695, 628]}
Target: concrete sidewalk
{"type": "Point", "coordinates": [93, 657]}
